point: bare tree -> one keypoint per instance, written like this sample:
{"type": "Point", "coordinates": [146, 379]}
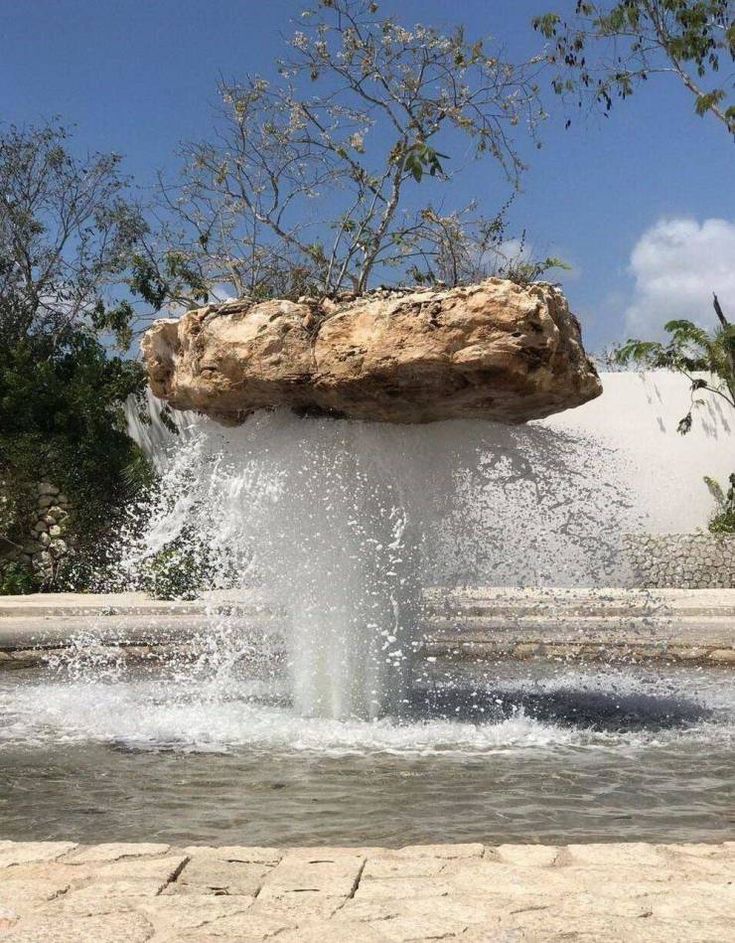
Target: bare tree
{"type": "Point", "coordinates": [309, 181]}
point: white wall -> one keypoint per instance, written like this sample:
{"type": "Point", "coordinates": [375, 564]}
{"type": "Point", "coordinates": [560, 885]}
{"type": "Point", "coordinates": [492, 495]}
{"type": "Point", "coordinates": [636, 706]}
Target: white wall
{"type": "Point", "coordinates": [637, 415]}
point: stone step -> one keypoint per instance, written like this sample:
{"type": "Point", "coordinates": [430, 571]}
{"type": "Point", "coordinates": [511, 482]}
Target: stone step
{"type": "Point", "coordinates": [485, 620]}
{"type": "Point", "coordinates": [642, 625]}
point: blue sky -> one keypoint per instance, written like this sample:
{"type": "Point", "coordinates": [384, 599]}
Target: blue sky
{"type": "Point", "coordinates": [642, 203]}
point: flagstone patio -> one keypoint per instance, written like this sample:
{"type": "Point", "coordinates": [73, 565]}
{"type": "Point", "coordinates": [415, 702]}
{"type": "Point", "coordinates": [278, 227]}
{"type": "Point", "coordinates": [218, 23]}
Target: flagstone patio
{"type": "Point", "coordinates": [60, 892]}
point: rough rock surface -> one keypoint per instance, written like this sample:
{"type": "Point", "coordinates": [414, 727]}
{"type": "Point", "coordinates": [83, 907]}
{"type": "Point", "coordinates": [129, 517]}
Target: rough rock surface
{"type": "Point", "coordinates": [48, 541]}
{"type": "Point", "coordinates": [494, 351]}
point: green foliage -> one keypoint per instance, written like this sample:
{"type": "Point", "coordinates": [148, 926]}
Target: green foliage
{"type": "Point", "coordinates": [690, 350]}
{"type": "Point", "coordinates": [723, 520]}
{"type": "Point", "coordinates": [68, 237]}
{"type": "Point", "coordinates": [420, 158]}
{"type": "Point", "coordinates": [715, 489]}
{"type": "Point", "coordinates": [180, 571]}
{"type": "Point", "coordinates": [17, 580]}
{"type": "Point", "coordinates": [524, 272]}
{"type": "Point", "coordinates": [637, 39]}
{"type": "Point", "coordinates": [61, 419]}
{"type": "Point", "coordinates": [158, 281]}
{"type": "Point", "coordinates": [722, 523]}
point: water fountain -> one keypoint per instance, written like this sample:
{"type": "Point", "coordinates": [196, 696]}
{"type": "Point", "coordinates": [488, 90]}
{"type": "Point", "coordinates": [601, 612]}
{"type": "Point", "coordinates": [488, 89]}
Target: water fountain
{"type": "Point", "coordinates": [341, 526]}
{"type": "Point", "coordinates": [321, 717]}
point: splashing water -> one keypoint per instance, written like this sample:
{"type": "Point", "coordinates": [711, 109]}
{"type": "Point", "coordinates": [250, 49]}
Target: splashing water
{"type": "Point", "coordinates": [340, 526]}
{"type": "Point", "coordinates": [309, 712]}
{"type": "Point", "coordinates": [524, 752]}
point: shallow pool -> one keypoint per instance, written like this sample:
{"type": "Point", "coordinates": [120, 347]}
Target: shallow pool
{"type": "Point", "coordinates": [494, 753]}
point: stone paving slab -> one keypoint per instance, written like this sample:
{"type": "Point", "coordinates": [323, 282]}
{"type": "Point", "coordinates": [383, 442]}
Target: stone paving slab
{"type": "Point", "coordinates": [61, 892]}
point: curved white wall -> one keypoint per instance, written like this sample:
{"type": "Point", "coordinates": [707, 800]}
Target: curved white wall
{"type": "Point", "coordinates": [637, 415]}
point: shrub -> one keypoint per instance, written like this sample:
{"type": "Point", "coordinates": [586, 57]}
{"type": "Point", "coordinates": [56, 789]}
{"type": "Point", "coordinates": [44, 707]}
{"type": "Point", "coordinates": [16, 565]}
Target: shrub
{"type": "Point", "coordinates": [182, 570]}
{"type": "Point", "coordinates": [16, 579]}
{"type": "Point", "coordinates": [723, 519]}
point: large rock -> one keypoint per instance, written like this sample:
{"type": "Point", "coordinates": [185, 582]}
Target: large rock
{"type": "Point", "coordinates": [494, 351]}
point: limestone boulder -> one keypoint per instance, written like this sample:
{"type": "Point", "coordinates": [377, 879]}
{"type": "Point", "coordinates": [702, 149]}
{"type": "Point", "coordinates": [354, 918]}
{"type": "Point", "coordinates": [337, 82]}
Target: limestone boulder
{"type": "Point", "coordinates": [495, 351]}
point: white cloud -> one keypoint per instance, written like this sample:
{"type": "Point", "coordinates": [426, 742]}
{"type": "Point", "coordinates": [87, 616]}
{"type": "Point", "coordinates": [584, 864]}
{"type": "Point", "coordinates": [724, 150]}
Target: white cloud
{"type": "Point", "coordinates": [222, 292]}
{"type": "Point", "coordinates": [677, 264]}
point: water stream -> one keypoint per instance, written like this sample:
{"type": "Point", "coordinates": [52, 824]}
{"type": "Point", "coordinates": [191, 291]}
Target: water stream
{"type": "Point", "coordinates": [340, 526]}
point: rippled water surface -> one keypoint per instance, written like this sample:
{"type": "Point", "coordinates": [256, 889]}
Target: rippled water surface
{"type": "Point", "coordinates": [508, 753]}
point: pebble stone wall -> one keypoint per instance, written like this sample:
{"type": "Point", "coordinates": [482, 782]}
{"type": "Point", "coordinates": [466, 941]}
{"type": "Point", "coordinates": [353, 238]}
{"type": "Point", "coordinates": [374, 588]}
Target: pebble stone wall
{"type": "Point", "coordinates": [682, 561]}
{"type": "Point", "coordinates": [48, 542]}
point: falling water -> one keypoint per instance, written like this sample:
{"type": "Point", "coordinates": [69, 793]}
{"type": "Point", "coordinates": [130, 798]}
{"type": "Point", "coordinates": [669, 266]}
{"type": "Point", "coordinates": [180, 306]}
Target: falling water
{"type": "Point", "coordinates": [340, 526]}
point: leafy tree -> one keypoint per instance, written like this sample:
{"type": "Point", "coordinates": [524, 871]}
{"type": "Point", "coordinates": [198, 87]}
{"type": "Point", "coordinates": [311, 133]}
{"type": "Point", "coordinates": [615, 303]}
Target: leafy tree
{"type": "Point", "coordinates": [705, 358]}
{"type": "Point", "coordinates": [309, 182]}
{"type": "Point", "coordinates": [609, 48]}
{"type": "Point", "coordinates": [67, 235]}
{"type": "Point", "coordinates": [67, 230]}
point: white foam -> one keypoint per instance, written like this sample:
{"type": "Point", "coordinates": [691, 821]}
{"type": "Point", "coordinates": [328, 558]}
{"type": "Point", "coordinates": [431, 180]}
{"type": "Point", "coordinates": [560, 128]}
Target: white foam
{"type": "Point", "coordinates": [164, 713]}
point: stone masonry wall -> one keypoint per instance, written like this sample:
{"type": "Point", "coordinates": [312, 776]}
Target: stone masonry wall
{"type": "Point", "coordinates": [683, 561]}
{"type": "Point", "coordinates": [48, 542]}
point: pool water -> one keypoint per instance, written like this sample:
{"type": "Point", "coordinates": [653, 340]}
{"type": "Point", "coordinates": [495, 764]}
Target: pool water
{"type": "Point", "coordinates": [490, 753]}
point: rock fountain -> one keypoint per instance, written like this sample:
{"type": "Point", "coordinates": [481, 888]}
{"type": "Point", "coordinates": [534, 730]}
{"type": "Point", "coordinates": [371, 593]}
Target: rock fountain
{"type": "Point", "coordinates": [333, 694]}
{"type": "Point", "coordinates": [494, 351]}
{"type": "Point", "coordinates": [332, 495]}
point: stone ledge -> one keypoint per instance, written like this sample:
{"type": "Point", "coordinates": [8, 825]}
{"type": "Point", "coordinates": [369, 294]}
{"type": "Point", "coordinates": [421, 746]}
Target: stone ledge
{"type": "Point", "coordinates": [695, 627]}
{"type": "Point", "coordinates": [595, 893]}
